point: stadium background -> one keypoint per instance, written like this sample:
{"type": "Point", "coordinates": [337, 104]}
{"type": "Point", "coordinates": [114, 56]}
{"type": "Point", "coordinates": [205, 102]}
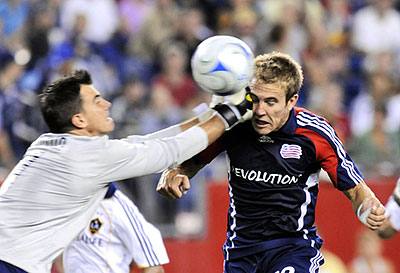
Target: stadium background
{"type": "Point", "coordinates": [138, 52]}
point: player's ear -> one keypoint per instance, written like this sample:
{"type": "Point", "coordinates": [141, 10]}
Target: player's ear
{"type": "Point", "coordinates": [292, 101]}
{"type": "Point", "coordinates": [79, 121]}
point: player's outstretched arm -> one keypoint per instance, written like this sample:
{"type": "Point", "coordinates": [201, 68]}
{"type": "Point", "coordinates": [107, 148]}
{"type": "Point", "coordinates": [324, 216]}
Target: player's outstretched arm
{"type": "Point", "coordinates": [174, 182]}
{"type": "Point", "coordinates": [367, 207]}
{"type": "Point", "coordinates": [205, 112]}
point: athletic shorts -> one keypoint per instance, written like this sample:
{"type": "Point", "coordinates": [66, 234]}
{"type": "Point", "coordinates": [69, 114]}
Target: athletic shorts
{"type": "Point", "coordinates": [9, 268]}
{"type": "Point", "coordinates": [285, 259]}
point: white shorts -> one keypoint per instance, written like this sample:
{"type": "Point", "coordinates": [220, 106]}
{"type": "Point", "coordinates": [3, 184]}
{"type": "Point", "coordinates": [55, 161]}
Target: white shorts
{"type": "Point", "coordinates": [117, 234]}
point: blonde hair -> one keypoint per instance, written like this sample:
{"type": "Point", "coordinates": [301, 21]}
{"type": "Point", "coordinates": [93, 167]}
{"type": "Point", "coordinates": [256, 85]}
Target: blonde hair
{"type": "Point", "coordinates": [277, 67]}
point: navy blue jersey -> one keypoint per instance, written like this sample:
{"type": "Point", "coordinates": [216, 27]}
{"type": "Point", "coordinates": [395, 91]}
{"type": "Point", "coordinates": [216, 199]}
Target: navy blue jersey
{"type": "Point", "coordinates": [273, 181]}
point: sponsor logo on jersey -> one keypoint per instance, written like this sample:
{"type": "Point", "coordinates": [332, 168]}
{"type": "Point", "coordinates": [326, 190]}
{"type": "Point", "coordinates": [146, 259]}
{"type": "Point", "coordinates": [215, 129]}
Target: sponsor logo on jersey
{"type": "Point", "coordinates": [53, 141]}
{"type": "Point", "coordinates": [265, 139]}
{"type": "Point", "coordinates": [259, 176]}
{"type": "Point", "coordinates": [97, 241]}
{"type": "Point", "coordinates": [291, 151]}
{"type": "Point", "coordinates": [95, 225]}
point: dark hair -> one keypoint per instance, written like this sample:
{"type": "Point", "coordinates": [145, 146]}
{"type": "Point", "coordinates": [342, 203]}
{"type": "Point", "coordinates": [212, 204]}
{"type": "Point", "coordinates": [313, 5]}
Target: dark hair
{"type": "Point", "coordinates": [60, 100]}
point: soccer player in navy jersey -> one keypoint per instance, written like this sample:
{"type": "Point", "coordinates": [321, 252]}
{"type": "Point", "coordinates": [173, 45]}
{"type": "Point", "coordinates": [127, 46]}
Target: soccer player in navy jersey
{"type": "Point", "coordinates": [275, 159]}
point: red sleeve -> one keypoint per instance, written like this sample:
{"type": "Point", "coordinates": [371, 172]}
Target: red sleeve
{"type": "Point", "coordinates": [324, 153]}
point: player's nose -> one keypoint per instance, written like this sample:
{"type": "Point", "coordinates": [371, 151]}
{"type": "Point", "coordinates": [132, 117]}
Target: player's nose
{"type": "Point", "coordinates": [107, 104]}
{"type": "Point", "coordinates": [258, 109]}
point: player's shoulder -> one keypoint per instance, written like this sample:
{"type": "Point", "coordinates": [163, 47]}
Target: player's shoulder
{"type": "Point", "coordinates": [53, 139]}
{"type": "Point", "coordinates": [69, 144]}
{"type": "Point", "coordinates": [244, 128]}
{"type": "Point", "coordinates": [307, 118]}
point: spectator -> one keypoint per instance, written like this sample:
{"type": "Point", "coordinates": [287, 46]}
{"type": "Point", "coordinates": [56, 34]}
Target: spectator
{"type": "Point", "coordinates": [380, 91]}
{"type": "Point", "coordinates": [101, 18]}
{"type": "Point", "coordinates": [377, 151]}
{"type": "Point", "coordinates": [191, 31]}
{"type": "Point", "coordinates": [13, 16]}
{"type": "Point", "coordinates": [134, 13]}
{"type": "Point", "coordinates": [128, 108]}
{"type": "Point", "coordinates": [376, 28]}
{"type": "Point", "coordinates": [173, 76]}
{"type": "Point", "coordinates": [159, 26]}
{"type": "Point", "coordinates": [41, 22]}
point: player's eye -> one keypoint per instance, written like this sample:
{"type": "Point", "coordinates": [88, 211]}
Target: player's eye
{"type": "Point", "coordinates": [270, 102]}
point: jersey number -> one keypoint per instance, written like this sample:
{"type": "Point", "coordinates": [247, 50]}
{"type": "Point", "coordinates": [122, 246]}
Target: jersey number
{"type": "Point", "coordinates": [287, 269]}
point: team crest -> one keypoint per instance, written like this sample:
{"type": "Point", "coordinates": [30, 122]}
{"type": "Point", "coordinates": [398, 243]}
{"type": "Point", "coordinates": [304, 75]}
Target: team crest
{"type": "Point", "coordinates": [291, 151]}
{"type": "Point", "coordinates": [95, 225]}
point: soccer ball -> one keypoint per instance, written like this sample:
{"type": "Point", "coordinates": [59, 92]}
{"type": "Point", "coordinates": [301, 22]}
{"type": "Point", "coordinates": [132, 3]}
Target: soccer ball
{"type": "Point", "coordinates": [222, 65]}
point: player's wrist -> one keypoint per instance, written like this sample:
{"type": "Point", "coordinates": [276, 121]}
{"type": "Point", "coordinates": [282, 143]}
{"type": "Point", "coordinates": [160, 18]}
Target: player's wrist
{"type": "Point", "coordinates": [229, 114]}
{"type": "Point", "coordinates": [362, 214]}
{"type": "Point", "coordinates": [232, 114]}
{"type": "Point", "coordinates": [203, 112]}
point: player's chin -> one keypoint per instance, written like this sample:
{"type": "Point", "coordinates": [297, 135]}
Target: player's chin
{"type": "Point", "coordinates": [110, 125]}
{"type": "Point", "coordinates": [262, 129]}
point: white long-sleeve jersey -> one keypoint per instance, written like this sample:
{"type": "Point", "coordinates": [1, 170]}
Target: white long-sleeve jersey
{"type": "Point", "coordinates": [52, 193]}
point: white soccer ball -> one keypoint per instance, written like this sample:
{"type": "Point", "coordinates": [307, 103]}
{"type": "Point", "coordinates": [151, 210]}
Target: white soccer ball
{"type": "Point", "coordinates": [222, 65]}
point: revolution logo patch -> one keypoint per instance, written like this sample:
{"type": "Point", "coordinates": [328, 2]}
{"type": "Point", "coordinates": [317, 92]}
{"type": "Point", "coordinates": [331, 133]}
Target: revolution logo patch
{"type": "Point", "coordinates": [291, 151]}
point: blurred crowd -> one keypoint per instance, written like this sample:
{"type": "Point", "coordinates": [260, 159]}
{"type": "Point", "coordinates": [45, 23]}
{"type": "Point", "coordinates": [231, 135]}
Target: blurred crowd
{"type": "Point", "coordinates": [138, 52]}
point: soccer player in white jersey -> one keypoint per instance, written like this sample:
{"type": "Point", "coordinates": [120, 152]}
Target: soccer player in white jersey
{"type": "Point", "coordinates": [117, 234]}
{"type": "Point", "coordinates": [392, 225]}
{"type": "Point", "coordinates": [52, 193]}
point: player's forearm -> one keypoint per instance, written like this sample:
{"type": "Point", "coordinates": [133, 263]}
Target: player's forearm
{"type": "Point", "coordinates": [190, 167]}
{"type": "Point", "coordinates": [367, 207]}
{"type": "Point", "coordinates": [192, 141]}
{"type": "Point", "coordinates": [209, 121]}
{"type": "Point", "coordinates": [214, 127]}
{"type": "Point", "coordinates": [175, 129]}
{"type": "Point", "coordinates": [358, 194]}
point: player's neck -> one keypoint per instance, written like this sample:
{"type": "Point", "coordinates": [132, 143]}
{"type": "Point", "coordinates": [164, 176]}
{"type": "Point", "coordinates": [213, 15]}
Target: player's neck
{"type": "Point", "coordinates": [82, 132]}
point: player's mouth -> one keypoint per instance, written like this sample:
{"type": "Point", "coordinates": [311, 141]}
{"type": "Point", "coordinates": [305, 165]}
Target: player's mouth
{"type": "Point", "coordinates": [262, 123]}
{"type": "Point", "coordinates": [108, 118]}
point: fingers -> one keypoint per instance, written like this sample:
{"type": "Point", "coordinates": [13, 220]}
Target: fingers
{"type": "Point", "coordinates": [371, 213]}
{"type": "Point", "coordinates": [185, 184]}
{"type": "Point", "coordinates": [173, 185]}
{"type": "Point", "coordinates": [376, 217]}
